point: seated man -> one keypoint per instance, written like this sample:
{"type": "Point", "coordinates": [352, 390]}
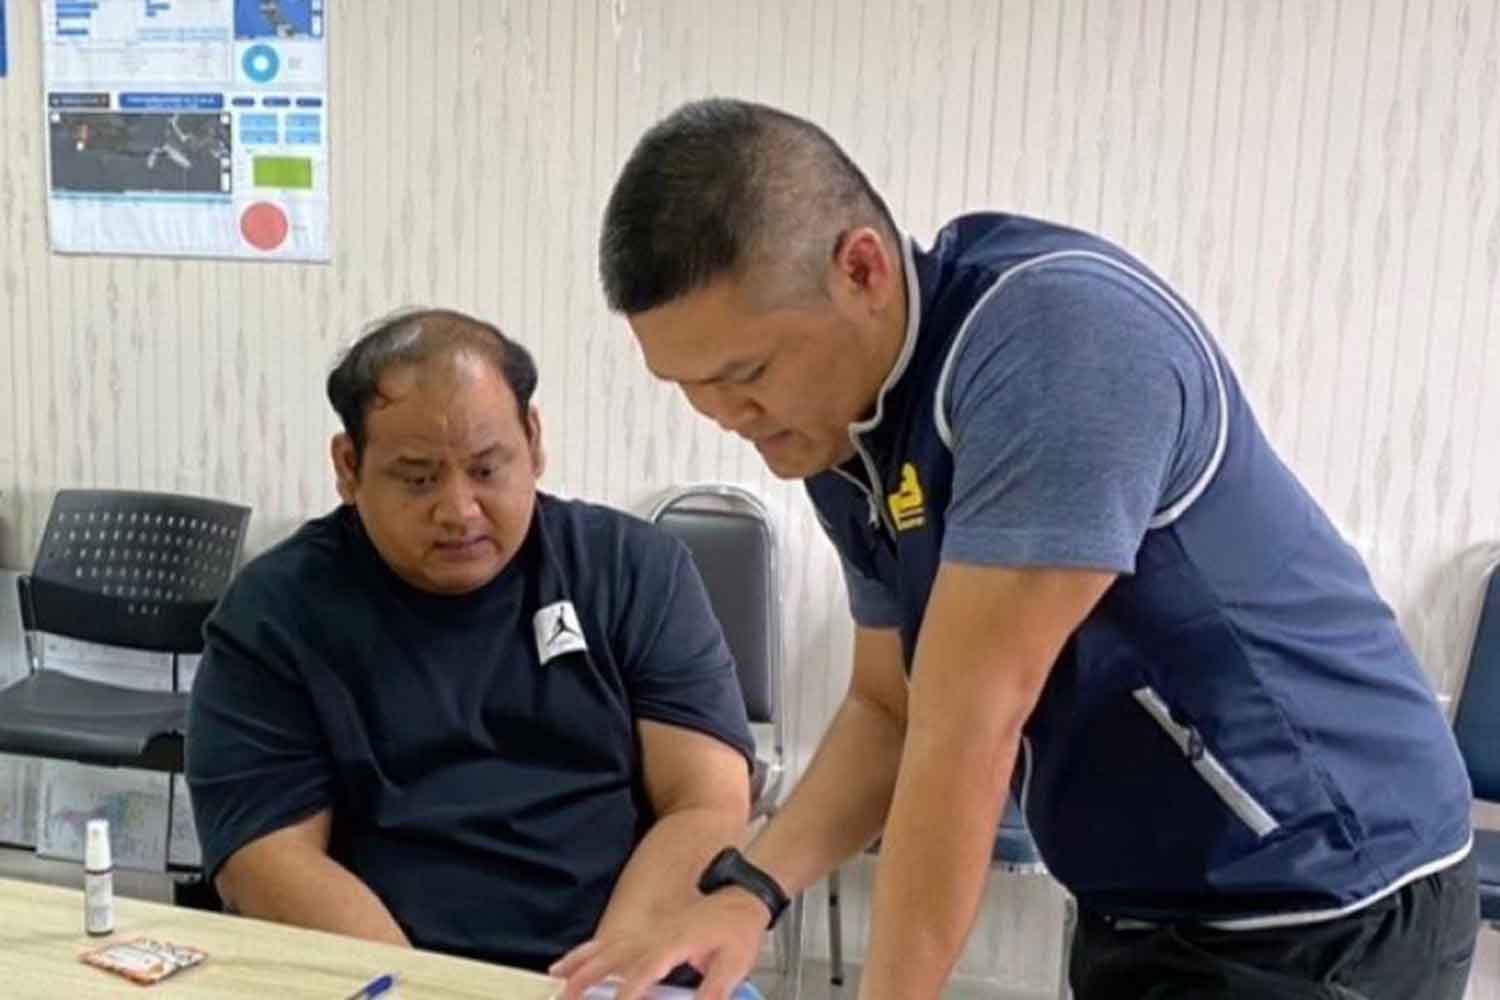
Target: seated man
{"type": "Point", "coordinates": [455, 712]}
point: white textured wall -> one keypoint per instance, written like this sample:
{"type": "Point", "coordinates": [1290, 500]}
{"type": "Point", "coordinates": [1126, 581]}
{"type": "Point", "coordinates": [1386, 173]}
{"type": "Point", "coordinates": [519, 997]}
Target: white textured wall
{"type": "Point", "coordinates": [1321, 176]}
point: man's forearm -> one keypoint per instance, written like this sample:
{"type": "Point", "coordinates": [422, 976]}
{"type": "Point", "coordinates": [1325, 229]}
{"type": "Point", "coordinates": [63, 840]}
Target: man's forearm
{"type": "Point", "coordinates": [315, 892]}
{"type": "Point", "coordinates": [840, 804]}
{"type": "Point", "coordinates": [934, 860]}
{"type": "Point", "coordinates": [662, 874]}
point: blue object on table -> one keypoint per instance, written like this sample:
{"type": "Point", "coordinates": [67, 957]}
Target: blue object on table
{"type": "Point", "coordinates": [374, 988]}
{"type": "Point", "coordinates": [2, 37]}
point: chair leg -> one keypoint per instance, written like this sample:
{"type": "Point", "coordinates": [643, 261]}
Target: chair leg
{"type": "Point", "coordinates": [1070, 925]}
{"type": "Point", "coordinates": [835, 932]}
{"type": "Point", "coordinates": [790, 946]}
{"type": "Point", "coordinates": [784, 941]}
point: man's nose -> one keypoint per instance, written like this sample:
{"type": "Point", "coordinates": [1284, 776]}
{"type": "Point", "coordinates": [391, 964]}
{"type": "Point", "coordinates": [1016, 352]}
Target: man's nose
{"type": "Point", "coordinates": [731, 408]}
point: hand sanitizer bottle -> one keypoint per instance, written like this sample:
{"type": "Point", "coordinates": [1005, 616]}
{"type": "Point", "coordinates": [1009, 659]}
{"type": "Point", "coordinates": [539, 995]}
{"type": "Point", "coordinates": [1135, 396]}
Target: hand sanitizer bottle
{"type": "Point", "coordinates": [98, 880]}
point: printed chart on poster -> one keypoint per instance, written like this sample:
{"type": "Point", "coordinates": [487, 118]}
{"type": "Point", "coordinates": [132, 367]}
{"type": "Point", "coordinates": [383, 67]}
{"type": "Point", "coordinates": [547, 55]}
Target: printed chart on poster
{"type": "Point", "coordinates": [18, 775]}
{"type": "Point", "coordinates": [188, 127]}
{"type": "Point", "coordinates": [134, 802]}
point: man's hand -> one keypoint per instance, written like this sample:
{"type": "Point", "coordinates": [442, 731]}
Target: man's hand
{"type": "Point", "coordinates": [720, 936]}
{"type": "Point", "coordinates": [834, 811]}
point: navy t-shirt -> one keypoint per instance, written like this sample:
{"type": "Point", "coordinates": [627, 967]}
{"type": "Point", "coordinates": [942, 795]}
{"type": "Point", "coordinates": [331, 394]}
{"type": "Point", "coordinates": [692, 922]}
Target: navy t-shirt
{"type": "Point", "coordinates": [490, 799]}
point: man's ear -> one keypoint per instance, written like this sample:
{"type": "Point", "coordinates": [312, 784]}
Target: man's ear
{"type": "Point", "coordinates": [534, 441]}
{"type": "Point", "coordinates": [867, 269]}
{"type": "Point", "coordinates": [345, 466]}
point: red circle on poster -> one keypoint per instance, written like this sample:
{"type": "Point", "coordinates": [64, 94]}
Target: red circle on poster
{"type": "Point", "coordinates": [264, 225]}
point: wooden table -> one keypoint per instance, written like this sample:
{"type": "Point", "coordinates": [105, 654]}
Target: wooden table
{"type": "Point", "coordinates": [41, 937]}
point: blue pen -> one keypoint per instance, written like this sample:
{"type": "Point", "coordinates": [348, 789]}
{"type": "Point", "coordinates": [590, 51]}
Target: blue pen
{"type": "Point", "coordinates": [374, 988]}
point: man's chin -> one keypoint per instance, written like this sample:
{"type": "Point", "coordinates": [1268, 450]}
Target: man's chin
{"type": "Point", "coordinates": [453, 581]}
{"type": "Point", "coordinates": [793, 463]}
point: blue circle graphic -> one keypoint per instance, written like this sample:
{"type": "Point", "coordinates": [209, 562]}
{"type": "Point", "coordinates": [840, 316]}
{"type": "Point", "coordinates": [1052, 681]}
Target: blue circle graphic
{"type": "Point", "coordinates": [261, 63]}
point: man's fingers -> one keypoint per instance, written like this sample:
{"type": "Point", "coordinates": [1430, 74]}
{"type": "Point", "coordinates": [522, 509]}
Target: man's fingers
{"type": "Point", "coordinates": [563, 967]}
{"type": "Point", "coordinates": [593, 967]}
{"type": "Point", "coordinates": [719, 979]}
{"type": "Point", "coordinates": [646, 973]}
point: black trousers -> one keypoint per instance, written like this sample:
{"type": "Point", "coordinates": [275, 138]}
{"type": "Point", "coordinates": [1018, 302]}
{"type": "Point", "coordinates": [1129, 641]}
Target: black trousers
{"type": "Point", "coordinates": [1415, 944]}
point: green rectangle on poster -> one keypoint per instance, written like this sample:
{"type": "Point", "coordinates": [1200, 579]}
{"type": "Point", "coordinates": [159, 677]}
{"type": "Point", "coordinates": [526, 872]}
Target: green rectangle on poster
{"type": "Point", "coordinates": [287, 173]}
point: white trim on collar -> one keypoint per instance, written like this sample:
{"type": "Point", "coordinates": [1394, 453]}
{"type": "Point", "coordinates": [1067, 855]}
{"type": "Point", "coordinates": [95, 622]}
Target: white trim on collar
{"type": "Point", "coordinates": [913, 323]}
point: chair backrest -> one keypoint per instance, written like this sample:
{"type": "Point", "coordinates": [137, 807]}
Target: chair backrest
{"type": "Point", "coordinates": [1477, 722]}
{"type": "Point", "coordinates": [132, 569]}
{"type": "Point", "coordinates": [729, 534]}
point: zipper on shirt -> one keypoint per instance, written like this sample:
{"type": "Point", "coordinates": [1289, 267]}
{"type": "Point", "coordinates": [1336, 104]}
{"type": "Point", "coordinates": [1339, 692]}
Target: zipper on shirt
{"type": "Point", "coordinates": [872, 491]}
{"type": "Point", "coordinates": [864, 491]}
{"type": "Point", "coordinates": [1190, 742]}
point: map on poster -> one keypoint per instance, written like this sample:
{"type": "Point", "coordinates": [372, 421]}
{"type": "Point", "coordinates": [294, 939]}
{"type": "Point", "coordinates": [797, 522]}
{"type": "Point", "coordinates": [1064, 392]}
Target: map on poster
{"type": "Point", "coordinates": [18, 775]}
{"type": "Point", "coordinates": [182, 839]}
{"type": "Point", "coordinates": [18, 795]}
{"type": "Point", "coordinates": [188, 127]}
{"type": "Point", "coordinates": [134, 802]}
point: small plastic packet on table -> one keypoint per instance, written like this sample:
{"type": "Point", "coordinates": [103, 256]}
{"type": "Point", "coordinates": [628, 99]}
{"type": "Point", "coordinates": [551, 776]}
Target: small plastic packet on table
{"type": "Point", "coordinates": [144, 960]}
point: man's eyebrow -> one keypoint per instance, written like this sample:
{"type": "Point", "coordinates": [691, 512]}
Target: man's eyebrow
{"type": "Point", "coordinates": [731, 371]}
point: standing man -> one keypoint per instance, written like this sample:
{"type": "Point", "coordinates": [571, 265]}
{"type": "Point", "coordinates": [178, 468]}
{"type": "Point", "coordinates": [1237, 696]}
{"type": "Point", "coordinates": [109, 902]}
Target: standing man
{"type": "Point", "coordinates": [1072, 557]}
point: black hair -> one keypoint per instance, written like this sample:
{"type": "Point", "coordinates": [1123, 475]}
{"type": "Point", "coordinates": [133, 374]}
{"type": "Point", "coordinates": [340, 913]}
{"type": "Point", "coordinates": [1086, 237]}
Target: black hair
{"type": "Point", "coordinates": [413, 337]}
{"type": "Point", "coordinates": [728, 187]}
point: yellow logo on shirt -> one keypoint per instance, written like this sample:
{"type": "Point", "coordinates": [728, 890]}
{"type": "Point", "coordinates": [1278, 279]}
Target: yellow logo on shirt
{"type": "Point", "coordinates": [908, 509]}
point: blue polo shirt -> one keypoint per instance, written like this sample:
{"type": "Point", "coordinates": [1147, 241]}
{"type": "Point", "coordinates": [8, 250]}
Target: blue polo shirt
{"type": "Point", "coordinates": [479, 753]}
{"type": "Point", "coordinates": [1238, 733]}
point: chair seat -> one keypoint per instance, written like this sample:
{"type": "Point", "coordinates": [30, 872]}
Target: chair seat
{"type": "Point", "coordinates": [52, 714]}
{"type": "Point", "coordinates": [1487, 860]}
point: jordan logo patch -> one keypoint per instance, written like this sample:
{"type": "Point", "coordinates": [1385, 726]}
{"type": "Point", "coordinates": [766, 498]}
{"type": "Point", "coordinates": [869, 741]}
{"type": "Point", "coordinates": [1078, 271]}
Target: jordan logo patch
{"type": "Point", "coordinates": [557, 631]}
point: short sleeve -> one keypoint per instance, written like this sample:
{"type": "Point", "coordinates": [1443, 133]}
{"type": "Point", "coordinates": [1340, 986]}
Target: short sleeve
{"type": "Point", "coordinates": [1067, 405]}
{"type": "Point", "coordinates": [677, 667]}
{"type": "Point", "coordinates": [256, 757]}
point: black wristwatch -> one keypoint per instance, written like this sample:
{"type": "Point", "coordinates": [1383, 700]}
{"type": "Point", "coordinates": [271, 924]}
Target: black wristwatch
{"type": "Point", "coordinates": [730, 867]}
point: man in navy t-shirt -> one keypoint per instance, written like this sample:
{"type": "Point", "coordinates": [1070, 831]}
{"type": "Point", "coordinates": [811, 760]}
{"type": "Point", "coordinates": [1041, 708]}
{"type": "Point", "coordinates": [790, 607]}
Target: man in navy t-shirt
{"type": "Point", "coordinates": [1079, 572]}
{"type": "Point", "coordinates": [456, 712]}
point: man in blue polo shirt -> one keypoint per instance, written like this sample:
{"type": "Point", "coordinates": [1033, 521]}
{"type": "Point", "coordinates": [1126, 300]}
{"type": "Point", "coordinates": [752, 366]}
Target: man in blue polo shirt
{"type": "Point", "coordinates": [455, 712]}
{"type": "Point", "coordinates": [1076, 565]}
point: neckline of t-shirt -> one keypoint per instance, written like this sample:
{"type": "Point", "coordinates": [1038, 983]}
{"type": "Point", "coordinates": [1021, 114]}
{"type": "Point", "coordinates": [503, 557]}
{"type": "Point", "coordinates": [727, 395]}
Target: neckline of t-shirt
{"type": "Point", "coordinates": [482, 602]}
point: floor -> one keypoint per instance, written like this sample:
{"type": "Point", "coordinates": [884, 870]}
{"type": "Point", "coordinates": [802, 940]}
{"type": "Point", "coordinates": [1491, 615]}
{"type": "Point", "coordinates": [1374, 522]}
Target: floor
{"type": "Point", "coordinates": [815, 986]}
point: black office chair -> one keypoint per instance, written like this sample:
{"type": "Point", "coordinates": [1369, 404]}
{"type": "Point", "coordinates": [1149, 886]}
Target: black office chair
{"type": "Point", "coordinates": [1477, 727]}
{"type": "Point", "coordinates": [140, 570]}
{"type": "Point", "coordinates": [729, 533]}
